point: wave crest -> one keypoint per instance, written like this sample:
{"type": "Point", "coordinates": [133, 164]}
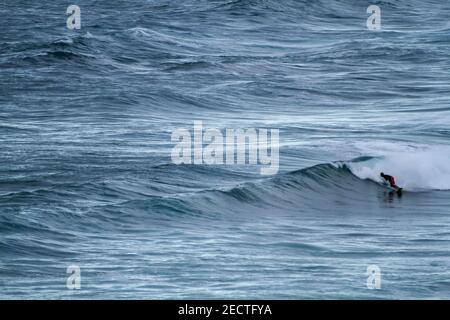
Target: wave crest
{"type": "Point", "coordinates": [414, 170]}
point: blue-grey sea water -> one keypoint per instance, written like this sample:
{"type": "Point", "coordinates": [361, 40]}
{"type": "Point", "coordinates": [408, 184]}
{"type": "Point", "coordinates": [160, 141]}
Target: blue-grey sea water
{"type": "Point", "coordinates": [87, 178]}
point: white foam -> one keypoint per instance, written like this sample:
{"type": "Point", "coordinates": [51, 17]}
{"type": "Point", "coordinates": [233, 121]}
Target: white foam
{"type": "Point", "coordinates": [413, 169]}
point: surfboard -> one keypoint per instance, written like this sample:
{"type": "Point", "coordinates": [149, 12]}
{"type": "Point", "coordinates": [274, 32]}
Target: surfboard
{"type": "Point", "coordinates": [398, 191]}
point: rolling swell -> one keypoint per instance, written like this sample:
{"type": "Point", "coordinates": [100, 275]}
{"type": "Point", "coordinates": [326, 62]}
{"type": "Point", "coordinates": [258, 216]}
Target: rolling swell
{"type": "Point", "coordinates": [285, 191]}
{"type": "Point", "coordinates": [296, 188]}
{"type": "Point", "coordinates": [129, 203]}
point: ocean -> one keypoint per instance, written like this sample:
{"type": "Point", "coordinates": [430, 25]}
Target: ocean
{"type": "Point", "coordinates": [93, 205]}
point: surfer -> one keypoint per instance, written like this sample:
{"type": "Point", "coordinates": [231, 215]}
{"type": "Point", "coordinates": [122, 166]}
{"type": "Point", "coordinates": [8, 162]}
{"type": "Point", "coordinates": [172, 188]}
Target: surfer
{"type": "Point", "coordinates": [391, 181]}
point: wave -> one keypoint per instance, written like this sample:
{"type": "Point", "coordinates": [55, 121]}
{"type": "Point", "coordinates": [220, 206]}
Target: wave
{"type": "Point", "coordinates": [312, 186]}
{"type": "Point", "coordinates": [319, 189]}
{"type": "Point", "coordinates": [415, 170]}
{"type": "Point", "coordinates": [77, 49]}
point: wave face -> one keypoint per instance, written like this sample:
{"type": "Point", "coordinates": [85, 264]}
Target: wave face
{"type": "Point", "coordinates": [86, 177]}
